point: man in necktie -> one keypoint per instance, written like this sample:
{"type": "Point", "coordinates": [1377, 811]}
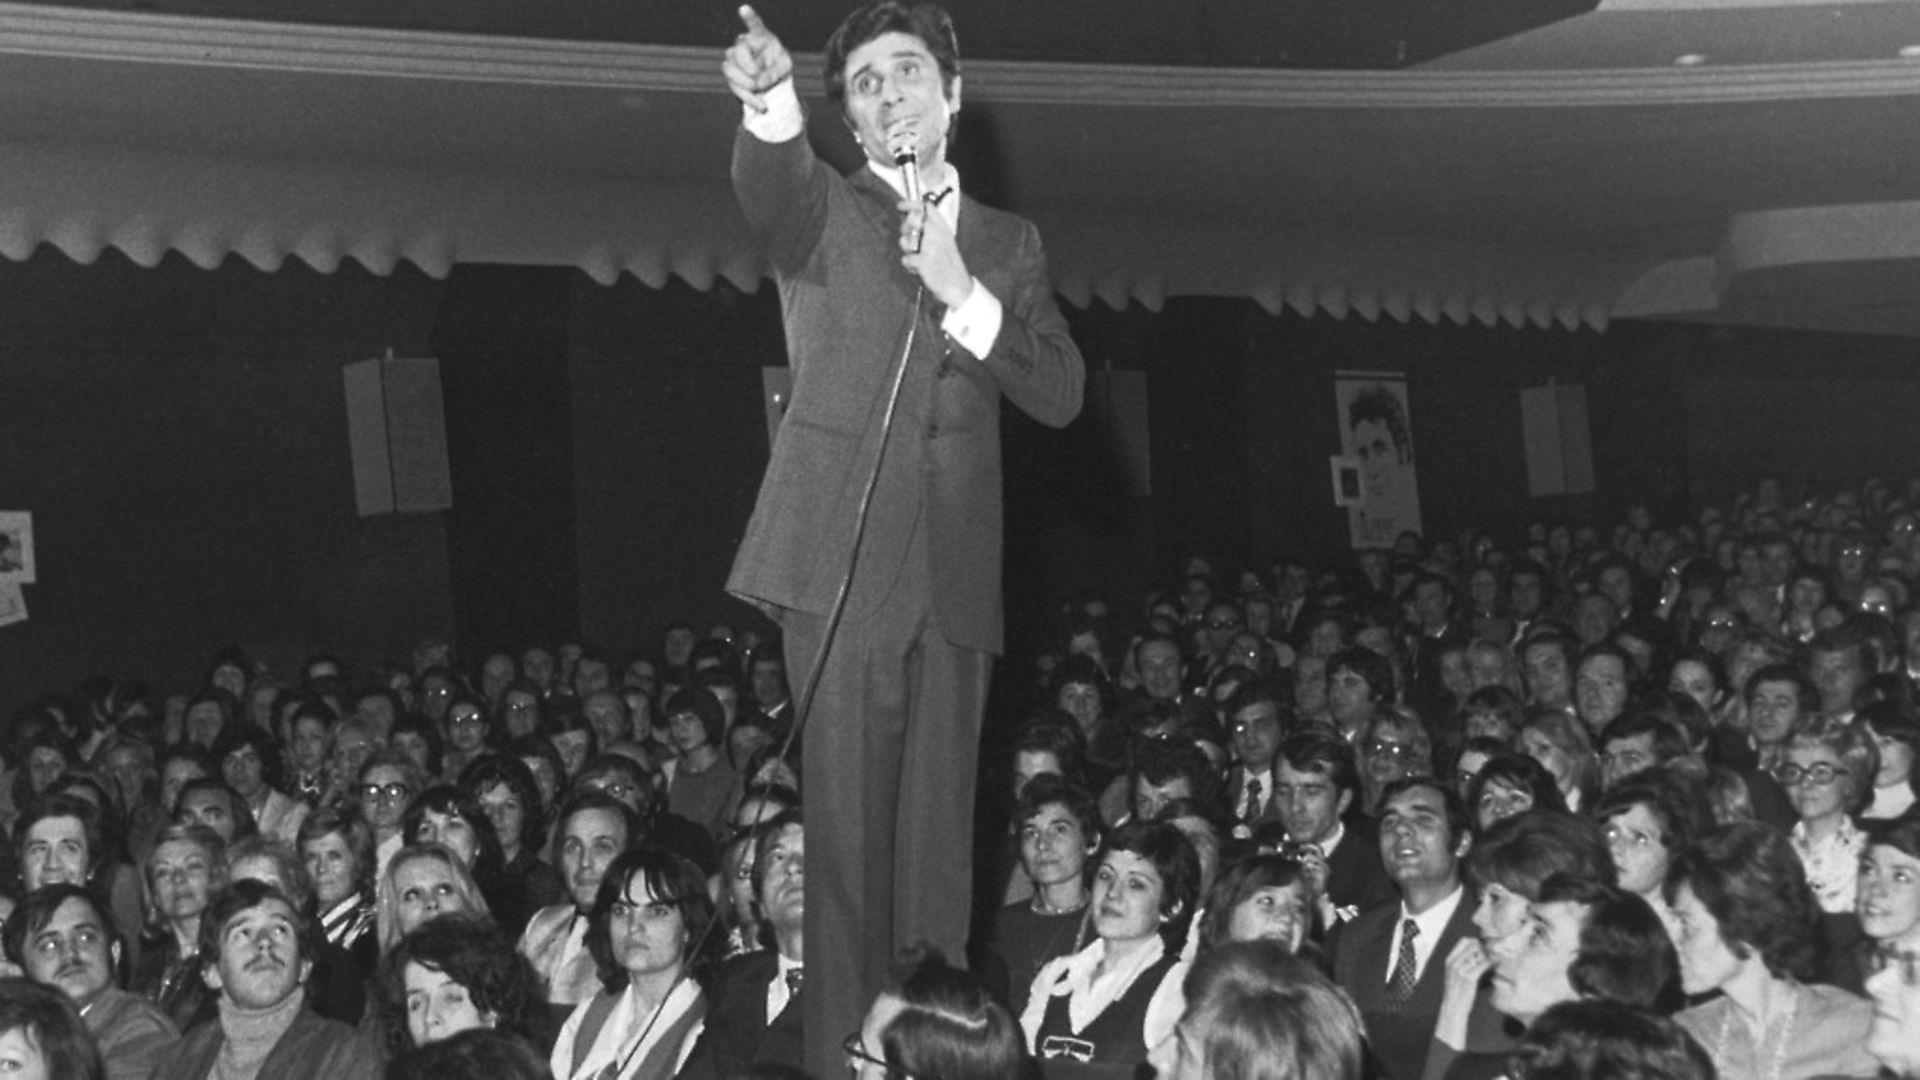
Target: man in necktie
{"type": "Point", "coordinates": [1392, 957]}
{"type": "Point", "coordinates": [1256, 719]}
{"type": "Point", "coordinates": [756, 1015]}
{"type": "Point", "coordinates": [594, 829]}
{"type": "Point", "coordinates": [957, 298]}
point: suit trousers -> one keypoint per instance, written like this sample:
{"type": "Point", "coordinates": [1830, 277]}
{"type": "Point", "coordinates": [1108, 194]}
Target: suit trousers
{"type": "Point", "coordinates": [889, 755]}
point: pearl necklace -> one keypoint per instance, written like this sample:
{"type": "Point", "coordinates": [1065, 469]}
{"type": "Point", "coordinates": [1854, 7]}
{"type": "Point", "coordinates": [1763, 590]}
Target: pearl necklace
{"type": "Point", "coordinates": [1784, 1035]}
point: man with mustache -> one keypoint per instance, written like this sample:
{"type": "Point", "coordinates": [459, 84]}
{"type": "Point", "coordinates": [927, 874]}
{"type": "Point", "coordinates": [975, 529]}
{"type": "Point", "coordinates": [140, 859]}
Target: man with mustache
{"type": "Point", "coordinates": [259, 951]}
{"type": "Point", "coordinates": [61, 937]}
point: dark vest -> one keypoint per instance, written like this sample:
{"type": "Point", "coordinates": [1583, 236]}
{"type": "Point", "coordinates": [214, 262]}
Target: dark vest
{"type": "Point", "coordinates": [1113, 1044]}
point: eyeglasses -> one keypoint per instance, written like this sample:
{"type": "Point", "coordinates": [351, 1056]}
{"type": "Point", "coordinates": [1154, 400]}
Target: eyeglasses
{"type": "Point", "coordinates": [389, 793]}
{"type": "Point", "coordinates": [467, 720]}
{"type": "Point", "coordinates": [619, 789]}
{"type": "Point", "coordinates": [1379, 747]}
{"type": "Point", "coordinates": [1819, 774]}
{"type": "Point", "coordinates": [1223, 624]}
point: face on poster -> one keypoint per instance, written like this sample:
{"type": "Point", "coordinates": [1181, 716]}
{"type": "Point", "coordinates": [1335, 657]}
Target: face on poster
{"type": "Point", "coordinates": [16, 547]}
{"type": "Point", "coordinates": [1376, 433]}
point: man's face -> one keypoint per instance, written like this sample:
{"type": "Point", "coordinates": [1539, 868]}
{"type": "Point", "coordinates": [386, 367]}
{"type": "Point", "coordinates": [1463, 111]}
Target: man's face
{"type": "Point", "coordinates": [129, 772]}
{"type": "Point", "coordinates": [1416, 843]}
{"type": "Point", "coordinates": [1600, 692]}
{"type": "Point", "coordinates": [1310, 803]}
{"type": "Point", "coordinates": [1594, 618]}
{"type": "Point", "coordinates": [1348, 694]}
{"type": "Point", "coordinates": [783, 884]}
{"type": "Point", "coordinates": [1379, 458]}
{"type": "Point", "coordinates": [1053, 846]}
{"type": "Point", "coordinates": [1837, 675]}
{"type": "Point", "coordinates": [769, 682]}
{"type": "Point", "coordinates": [1546, 671]}
{"type": "Point", "coordinates": [55, 853]}
{"type": "Point", "coordinates": [1430, 604]}
{"type": "Point", "coordinates": [210, 807]}
{"type": "Point", "coordinates": [1774, 709]}
{"type": "Point", "coordinates": [72, 953]}
{"type": "Point", "coordinates": [1256, 734]}
{"type": "Point", "coordinates": [1776, 563]}
{"type": "Point", "coordinates": [1626, 757]}
{"type": "Point", "coordinates": [1524, 596]}
{"type": "Point", "coordinates": [1150, 798]}
{"type": "Point", "coordinates": [593, 838]}
{"type": "Point", "coordinates": [607, 715]}
{"type": "Point", "coordinates": [260, 962]}
{"type": "Point", "coordinates": [243, 770]}
{"type": "Point", "coordinates": [495, 674]}
{"type": "Point", "coordinates": [896, 96]}
{"type": "Point", "coordinates": [1160, 670]}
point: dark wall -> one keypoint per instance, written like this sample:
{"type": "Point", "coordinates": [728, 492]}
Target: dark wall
{"type": "Point", "coordinates": [180, 437]}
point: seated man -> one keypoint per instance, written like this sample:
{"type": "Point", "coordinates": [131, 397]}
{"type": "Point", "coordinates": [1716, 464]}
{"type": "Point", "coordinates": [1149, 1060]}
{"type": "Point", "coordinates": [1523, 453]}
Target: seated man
{"type": "Point", "coordinates": [259, 952]}
{"type": "Point", "coordinates": [754, 1017]}
{"type": "Point", "coordinates": [1636, 742]}
{"type": "Point", "coordinates": [61, 938]}
{"type": "Point", "coordinates": [1257, 719]}
{"type": "Point", "coordinates": [594, 829]}
{"type": "Point", "coordinates": [1316, 784]}
{"type": "Point", "coordinates": [644, 789]}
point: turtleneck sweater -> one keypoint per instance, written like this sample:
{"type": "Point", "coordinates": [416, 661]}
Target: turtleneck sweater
{"type": "Point", "coordinates": [251, 1034]}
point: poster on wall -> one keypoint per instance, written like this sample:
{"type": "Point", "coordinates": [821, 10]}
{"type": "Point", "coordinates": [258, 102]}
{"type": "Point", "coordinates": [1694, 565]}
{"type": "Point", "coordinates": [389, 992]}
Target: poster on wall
{"type": "Point", "coordinates": [16, 547]}
{"type": "Point", "coordinates": [13, 604]}
{"type": "Point", "coordinates": [1376, 432]}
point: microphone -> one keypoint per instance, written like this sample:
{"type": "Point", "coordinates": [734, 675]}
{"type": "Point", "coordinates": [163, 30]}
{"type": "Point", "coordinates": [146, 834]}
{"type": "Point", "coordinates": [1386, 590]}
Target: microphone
{"type": "Point", "coordinates": [908, 161]}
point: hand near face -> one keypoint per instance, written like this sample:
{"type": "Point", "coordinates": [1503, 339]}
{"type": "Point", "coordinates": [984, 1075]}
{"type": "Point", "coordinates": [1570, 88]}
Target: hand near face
{"type": "Point", "coordinates": [932, 253]}
{"type": "Point", "coordinates": [1467, 964]}
{"type": "Point", "coordinates": [756, 62]}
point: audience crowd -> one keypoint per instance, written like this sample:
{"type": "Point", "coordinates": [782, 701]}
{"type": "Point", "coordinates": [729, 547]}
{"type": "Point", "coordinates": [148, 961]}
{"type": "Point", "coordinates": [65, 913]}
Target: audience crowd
{"type": "Point", "coordinates": [1579, 802]}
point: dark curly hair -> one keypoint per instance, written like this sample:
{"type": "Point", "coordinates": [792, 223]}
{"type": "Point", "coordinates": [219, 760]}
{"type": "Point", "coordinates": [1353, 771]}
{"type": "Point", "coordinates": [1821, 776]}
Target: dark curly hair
{"type": "Point", "coordinates": [666, 877]}
{"type": "Point", "coordinates": [473, 952]}
{"type": "Point", "coordinates": [928, 22]}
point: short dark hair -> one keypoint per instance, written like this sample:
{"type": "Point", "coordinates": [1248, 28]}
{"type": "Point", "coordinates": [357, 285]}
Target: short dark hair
{"type": "Point", "coordinates": [1316, 750]}
{"type": "Point", "coordinates": [57, 805]}
{"type": "Point", "coordinates": [1459, 822]}
{"type": "Point", "coordinates": [583, 801]}
{"type": "Point", "coordinates": [1049, 790]}
{"type": "Point", "coordinates": [36, 910]}
{"type": "Point", "coordinates": [496, 770]}
{"type": "Point", "coordinates": [1376, 402]}
{"type": "Point", "coordinates": [243, 823]}
{"type": "Point", "coordinates": [474, 953]}
{"type": "Point", "coordinates": [1625, 953]}
{"type": "Point", "coordinates": [928, 22]}
{"type": "Point", "coordinates": [451, 800]}
{"type": "Point", "coordinates": [1669, 742]}
{"type": "Point", "coordinates": [1587, 1038]}
{"type": "Point", "coordinates": [1521, 852]}
{"type": "Point", "coordinates": [245, 895]}
{"type": "Point", "coordinates": [1520, 771]}
{"type": "Point", "coordinates": [1751, 881]}
{"type": "Point", "coordinates": [475, 1052]}
{"type": "Point", "coordinates": [1677, 803]}
{"type": "Point", "coordinates": [1178, 865]}
{"type": "Point", "coordinates": [239, 736]}
{"type": "Point", "coordinates": [702, 704]}
{"type": "Point", "coordinates": [1377, 670]}
{"type": "Point", "coordinates": [950, 1027]}
{"type": "Point", "coordinates": [1790, 674]}
{"type": "Point", "coordinates": [1236, 885]}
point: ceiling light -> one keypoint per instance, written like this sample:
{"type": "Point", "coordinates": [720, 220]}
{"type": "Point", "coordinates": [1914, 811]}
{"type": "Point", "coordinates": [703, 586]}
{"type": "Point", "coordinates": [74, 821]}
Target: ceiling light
{"type": "Point", "coordinates": [1692, 59]}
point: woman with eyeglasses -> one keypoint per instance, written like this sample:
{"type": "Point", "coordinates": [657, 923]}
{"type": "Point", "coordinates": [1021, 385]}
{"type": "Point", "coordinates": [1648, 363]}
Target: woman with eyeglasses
{"type": "Point", "coordinates": [649, 917]}
{"type": "Point", "coordinates": [1749, 929]}
{"type": "Point", "coordinates": [1094, 1014]}
{"type": "Point", "coordinates": [1827, 770]}
{"type": "Point", "coordinates": [1395, 745]}
{"type": "Point", "coordinates": [466, 735]}
{"type": "Point", "coordinates": [382, 789]}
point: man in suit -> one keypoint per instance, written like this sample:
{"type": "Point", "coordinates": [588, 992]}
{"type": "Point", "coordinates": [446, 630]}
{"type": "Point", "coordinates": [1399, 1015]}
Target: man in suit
{"type": "Point", "coordinates": [1392, 958]}
{"type": "Point", "coordinates": [1256, 721]}
{"type": "Point", "coordinates": [955, 297]}
{"type": "Point", "coordinates": [753, 1017]}
{"type": "Point", "coordinates": [1316, 782]}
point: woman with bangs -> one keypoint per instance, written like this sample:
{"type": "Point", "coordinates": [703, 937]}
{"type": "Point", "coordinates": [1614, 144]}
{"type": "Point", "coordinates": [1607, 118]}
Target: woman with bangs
{"type": "Point", "coordinates": [648, 919]}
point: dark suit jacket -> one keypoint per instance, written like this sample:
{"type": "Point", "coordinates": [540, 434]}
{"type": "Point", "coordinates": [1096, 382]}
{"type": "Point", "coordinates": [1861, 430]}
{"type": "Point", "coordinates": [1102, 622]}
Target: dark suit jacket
{"type": "Point", "coordinates": [848, 303]}
{"type": "Point", "coordinates": [1359, 953]}
{"type": "Point", "coordinates": [1356, 878]}
{"type": "Point", "coordinates": [737, 1034]}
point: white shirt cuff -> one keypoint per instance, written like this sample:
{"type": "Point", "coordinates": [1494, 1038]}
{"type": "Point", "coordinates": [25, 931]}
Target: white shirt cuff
{"type": "Point", "coordinates": [974, 323]}
{"type": "Point", "coordinates": [784, 118]}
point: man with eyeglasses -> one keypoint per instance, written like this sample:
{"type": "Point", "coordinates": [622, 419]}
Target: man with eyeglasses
{"type": "Point", "coordinates": [62, 938]}
{"type": "Point", "coordinates": [642, 788]}
{"type": "Point", "coordinates": [593, 830]}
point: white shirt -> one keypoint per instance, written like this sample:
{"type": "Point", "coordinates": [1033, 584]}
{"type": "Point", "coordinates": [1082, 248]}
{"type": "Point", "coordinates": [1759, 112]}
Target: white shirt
{"type": "Point", "coordinates": [1089, 996]}
{"type": "Point", "coordinates": [777, 993]}
{"type": "Point", "coordinates": [626, 1038]}
{"type": "Point", "coordinates": [974, 323]}
{"type": "Point", "coordinates": [1432, 923]}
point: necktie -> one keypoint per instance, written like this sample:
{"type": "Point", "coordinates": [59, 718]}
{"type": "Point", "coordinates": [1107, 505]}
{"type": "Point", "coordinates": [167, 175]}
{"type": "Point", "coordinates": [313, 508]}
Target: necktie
{"type": "Point", "coordinates": [1406, 968]}
{"type": "Point", "coordinates": [795, 976]}
{"type": "Point", "coordinates": [1253, 801]}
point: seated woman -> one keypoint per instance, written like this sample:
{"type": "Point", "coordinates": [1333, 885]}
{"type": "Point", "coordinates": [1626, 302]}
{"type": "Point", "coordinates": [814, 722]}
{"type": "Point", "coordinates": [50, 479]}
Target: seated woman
{"type": "Point", "coordinates": [1557, 740]}
{"type": "Point", "coordinates": [649, 916]}
{"type": "Point", "coordinates": [1254, 1012]}
{"type": "Point", "coordinates": [1650, 819]}
{"type": "Point", "coordinates": [1748, 926]}
{"type": "Point", "coordinates": [336, 845]}
{"type": "Point", "coordinates": [1095, 1014]}
{"type": "Point", "coordinates": [453, 974]}
{"type": "Point", "coordinates": [507, 791]}
{"type": "Point", "coordinates": [1059, 830]}
{"type": "Point", "coordinates": [1583, 940]}
{"type": "Point", "coordinates": [1259, 898]}
{"type": "Point", "coordinates": [185, 867]}
{"type": "Point", "coordinates": [422, 881]}
{"type": "Point", "coordinates": [1395, 745]}
{"type": "Point", "coordinates": [1887, 901]}
{"type": "Point", "coordinates": [932, 1020]}
{"type": "Point", "coordinates": [1509, 784]}
{"type": "Point", "coordinates": [1827, 769]}
{"type": "Point", "coordinates": [41, 1035]}
{"type": "Point", "coordinates": [450, 816]}
{"type": "Point", "coordinates": [1604, 1040]}
{"type": "Point", "coordinates": [1896, 734]}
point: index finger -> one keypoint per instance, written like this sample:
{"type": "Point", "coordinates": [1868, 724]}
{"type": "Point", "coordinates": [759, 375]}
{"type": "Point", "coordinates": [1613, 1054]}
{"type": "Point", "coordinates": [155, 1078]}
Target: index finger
{"type": "Point", "coordinates": [752, 20]}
